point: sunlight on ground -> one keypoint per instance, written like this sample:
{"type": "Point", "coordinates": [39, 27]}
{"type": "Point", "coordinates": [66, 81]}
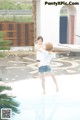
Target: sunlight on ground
{"type": "Point", "coordinates": [68, 84]}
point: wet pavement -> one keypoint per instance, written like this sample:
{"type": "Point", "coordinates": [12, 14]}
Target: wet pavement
{"type": "Point", "coordinates": [22, 74]}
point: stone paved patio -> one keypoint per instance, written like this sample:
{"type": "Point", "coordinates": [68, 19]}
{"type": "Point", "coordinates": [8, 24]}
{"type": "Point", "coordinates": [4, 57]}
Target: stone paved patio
{"type": "Point", "coordinates": [17, 68]}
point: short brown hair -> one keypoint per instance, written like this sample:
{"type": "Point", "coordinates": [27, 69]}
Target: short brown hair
{"type": "Point", "coordinates": [49, 46]}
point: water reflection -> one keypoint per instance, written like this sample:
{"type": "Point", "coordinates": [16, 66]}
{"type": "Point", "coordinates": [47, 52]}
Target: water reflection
{"type": "Point", "coordinates": [38, 108]}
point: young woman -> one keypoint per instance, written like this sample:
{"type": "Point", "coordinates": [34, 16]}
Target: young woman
{"type": "Point", "coordinates": [38, 46]}
{"type": "Point", "coordinates": [47, 55]}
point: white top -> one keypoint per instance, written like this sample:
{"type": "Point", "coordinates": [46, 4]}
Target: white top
{"type": "Point", "coordinates": [38, 53]}
{"type": "Point", "coordinates": [46, 58]}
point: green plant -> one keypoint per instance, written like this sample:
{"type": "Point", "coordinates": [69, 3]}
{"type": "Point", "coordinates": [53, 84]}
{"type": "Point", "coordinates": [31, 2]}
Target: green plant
{"type": "Point", "coordinates": [4, 44]}
{"type": "Point", "coordinates": [8, 101]}
{"type": "Point", "coordinates": [14, 5]}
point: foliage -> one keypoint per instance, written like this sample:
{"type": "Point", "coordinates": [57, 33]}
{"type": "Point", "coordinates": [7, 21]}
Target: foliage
{"type": "Point", "coordinates": [8, 101]}
{"type": "Point", "coordinates": [7, 6]}
{"type": "Point", "coordinates": [11, 5]}
{"type": "Point", "coordinates": [19, 18]}
{"type": "Point", "coordinates": [4, 44]}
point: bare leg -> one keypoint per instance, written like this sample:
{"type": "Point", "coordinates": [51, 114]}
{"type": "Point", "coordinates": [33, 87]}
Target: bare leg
{"type": "Point", "coordinates": [42, 77]}
{"type": "Point", "coordinates": [55, 81]}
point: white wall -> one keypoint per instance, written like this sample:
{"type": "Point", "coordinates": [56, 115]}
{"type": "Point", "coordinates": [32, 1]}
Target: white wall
{"type": "Point", "coordinates": [77, 25]}
{"type": "Point", "coordinates": [48, 21]}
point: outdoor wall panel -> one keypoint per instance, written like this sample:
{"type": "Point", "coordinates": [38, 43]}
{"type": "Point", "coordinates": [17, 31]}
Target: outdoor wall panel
{"type": "Point", "coordinates": [26, 35]}
{"type": "Point", "coordinates": [21, 34]}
